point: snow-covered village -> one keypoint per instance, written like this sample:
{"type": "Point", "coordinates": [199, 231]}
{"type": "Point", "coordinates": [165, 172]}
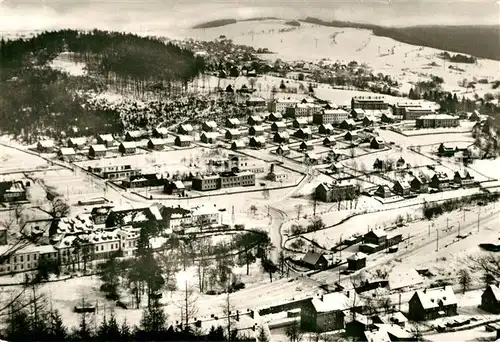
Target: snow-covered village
{"type": "Point", "coordinates": [254, 179]}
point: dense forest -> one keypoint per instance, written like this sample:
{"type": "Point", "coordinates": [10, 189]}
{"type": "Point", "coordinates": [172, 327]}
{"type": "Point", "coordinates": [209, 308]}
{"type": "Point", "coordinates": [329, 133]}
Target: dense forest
{"type": "Point", "coordinates": [479, 41]}
{"type": "Point", "coordinates": [35, 99]}
{"type": "Point", "coordinates": [215, 23]}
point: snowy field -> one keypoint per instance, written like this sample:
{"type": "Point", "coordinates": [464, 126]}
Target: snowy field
{"type": "Point", "coordinates": [12, 160]}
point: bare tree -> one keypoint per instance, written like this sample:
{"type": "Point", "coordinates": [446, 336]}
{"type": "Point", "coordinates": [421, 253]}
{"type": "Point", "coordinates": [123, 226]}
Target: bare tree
{"type": "Point", "coordinates": [293, 332]}
{"type": "Point", "coordinates": [262, 334]}
{"type": "Point", "coordinates": [299, 210]}
{"type": "Point", "coordinates": [189, 310]}
{"type": "Point", "coordinates": [227, 309]}
{"type": "Point", "coordinates": [489, 264]}
{"type": "Point", "coordinates": [59, 207]}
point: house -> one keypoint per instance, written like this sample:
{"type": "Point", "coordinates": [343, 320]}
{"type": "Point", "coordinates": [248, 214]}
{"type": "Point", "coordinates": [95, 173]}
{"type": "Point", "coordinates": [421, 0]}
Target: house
{"type": "Point", "coordinates": [209, 137]}
{"type": "Point", "coordinates": [280, 105]}
{"type": "Point", "coordinates": [419, 184]}
{"type": "Point", "coordinates": [232, 134]}
{"type": "Point", "coordinates": [66, 153]}
{"type": "Point", "coordinates": [232, 123]}
{"type": "Point", "coordinates": [160, 132]}
{"type": "Point", "coordinates": [99, 214]}
{"type": "Point", "coordinates": [133, 135]}
{"type": "Point", "coordinates": [156, 144]}
{"type": "Point", "coordinates": [325, 129]}
{"type": "Point", "coordinates": [331, 116]}
{"type": "Point", "coordinates": [350, 136]}
{"type": "Point", "coordinates": [490, 299]}
{"type": "Point", "coordinates": [185, 129]}
{"type": "Point", "coordinates": [127, 147]}
{"type": "Point", "coordinates": [312, 158]}
{"type": "Point", "coordinates": [377, 143]}
{"type": "Point", "coordinates": [45, 146]}
{"type": "Point", "coordinates": [237, 145]}
{"type": "Point", "coordinates": [299, 123]}
{"type": "Point", "coordinates": [329, 141]}
{"type": "Point", "coordinates": [183, 140]}
{"type": "Point", "coordinates": [358, 113]}
{"type": "Point", "coordinates": [256, 130]}
{"type": "Point", "coordinates": [444, 151]}
{"type": "Point", "coordinates": [356, 261]}
{"type": "Point", "coordinates": [315, 261]}
{"type": "Point", "coordinates": [97, 151]}
{"type": "Point", "coordinates": [325, 312]}
{"type": "Point", "coordinates": [348, 124]}
{"type": "Point", "coordinates": [336, 191]}
{"type": "Point", "coordinates": [303, 133]}
{"type": "Point", "coordinates": [175, 188]}
{"type": "Point", "coordinates": [281, 137]}
{"type": "Point", "coordinates": [369, 120]}
{"type": "Point", "coordinates": [257, 142]}
{"type": "Point", "coordinates": [283, 150]}
{"type": "Point", "coordinates": [376, 237]}
{"type": "Point", "coordinates": [475, 116]}
{"type": "Point", "coordinates": [383, 192]}
{"type": "Point", "coordinates": [24, 258]}
{"type": "Point", "coordinates": [306, 146]}
{"type": "Point", "coordinates": [463, 178]}
{"type": "Point", "coordinates": [276, 176]}
{"type": "Point", "coordinates": [209, 126]}
{"type": "Point", "coordinates": [255, 101]}
{"type": "Point", "coordinates": [388, 118]}
{"type": "Point", "coordinates": [12, 191]}
{"type": "Point", "coordinates": [77, 143]}
{"type": "Point", "coordinates": [254, 120]}
{"type": "Point", "coordinates": [402, 188]}
{"type": "Point", "coordinates": [278, 126]}
{"type": "Point", "coordinates": [275, 117]}
{"type": "Point", "coordinates": [106, 140]}
{"type": "Point", "coordinates": [432, 303]}
{"type": "Point", "coordinates": [400, 162]}
{"type": "Point", "coordinates": [440, 181]}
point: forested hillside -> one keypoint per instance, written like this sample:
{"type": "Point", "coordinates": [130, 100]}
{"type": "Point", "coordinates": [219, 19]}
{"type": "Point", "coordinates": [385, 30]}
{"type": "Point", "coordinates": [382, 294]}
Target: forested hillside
{"type": "Point", "coordinates": [38, 100]}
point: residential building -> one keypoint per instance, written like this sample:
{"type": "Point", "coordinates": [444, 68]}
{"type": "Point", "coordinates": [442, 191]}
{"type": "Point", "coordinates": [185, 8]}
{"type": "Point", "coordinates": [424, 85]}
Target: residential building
{"type": "Point", "coordinates": [283, 150]}
{"type": "Point", "coordinates": [209, 126]}
{"type": "Point", "coordinates": [114, 172]}
{"type": "Point", "coordinates": [12, 191]}
{"type": "Point", "coordinates": [315, 261]}
{"type": "Point", "coordinates": [441, 181]}
{"type": "Point", "coordinates": [369, 120]}
{"type": "Point", "coordinates": [134, 135]}
{"type": "Point", "coordinates": [325, 129]}
{"type": "Point", "coordinates": [369, 102]}
{"type": "Point", "coordinates": [336, 191]}
{"type": "Point", "coordinates": [330, 116]}
{"type": "Point", "coordinates": [24, 258]}
{"type": "Point", "coordinates": [444, 151]}
{"type": "Point", "coordinates": [432, 303]}
{"type": "Point", "coordinates": [183, 140]}
{"type": "Point", "coordinates": [205, 183]}
{"type": "Point", "coordinates": [77, 143]}
{"type": "Point", "coordinates": [278, 126]}
{"type": "Point", "coordinates": [358, 114]}
{"type": "Point", "coordinates": [106, 140]}
{"type": "Point", "coordinates": [329, 141]}
{"type": "Point", "coordinates": [312, 158]}
{"type": "Point", "coordinates": [356, 261]}
{"type": "Point", "coordinates": [416, 113]}
{"type": "Point", "coordinates": [256, 130]}
{"type": "Point", "coordinates": [280, 105]}
{"type": "Point", "coordinates": [127, 147]}
{"type": "Point", "coordinates": [375, 237]}
{"type": "Point", "coordinates": [306, 146]}
{"type": "Point", "coordinates": [276, 176]}
{"type": "Point", "coordinates": [232, 134]}
{"type": "Point", "coordinates": [255, 101]}
{"type": "Point", "coordinates": [257, 142]}
{"type": "Point", "coordinates": [300, 123]}
{"type": "Point", "coordinates": [177, 218]}
{"type": "Point", "coordinates": [144, 180]}
{"type": "Point", "coordinates": [45, 146]}
{"type": "Point", "coordinates": [205, 215]}
{"type": "Point", "coordinates": [350, 136]}
{"type": "Point", "coordinates": [80, 224]}
{"type": "Point", "coordinates": [325, 312]}
{"type": "Point", "coordinates": [156, 144]}
{"type": "Point", "coordinates": [349, 124]}
{"type": "Point", "coordinates": [97, 151]}
{"type": "Point", "coordinates": [383, 191]}
{"type": "Point", "coordinates": [463, 178]}
{"type": "Point", "coordinates": [419, 184]}
{"type": "Point", "coordinates": [377, 143]}
{"type": "Point", "coordinates": [254, 120]}
{"type": "Point", "coordinates": [129, 240]}
{"type": "Point", "coordinates": [281, 137]}
{"type": "Point", "coordinates": [67, 154]}
{"type": "Point", "coordinates": [232, 123]}
{"type": "Point", "coordinates": [275, 117]}
{"type": "Point", "coordinates": [402, 188]}
{"type": "Point", "coordinates": [388, 118]}
{"type": "Point", "coordinates": [135, 217]}
{"type": "Point", "coordinates": [160, 133]}
{"type": "Point", "coordinates": [490, 299]}
{"type": "Point", "coordinates": [437, 121]}
{"type": "Point", "coordinates": [104, 245]}
{"type": "Point", "coordinates": [175, 188]}
{"type": "Point", "coordinates": [303, 133]}
{"type": "Point", "coordinates": [209, 137]}
{"type": "Point", "coordinates": [238, 145]}
{"type": "Point", "coordinates": [297, 111]}
{"type": "Point", "coordinates": [185, 129]}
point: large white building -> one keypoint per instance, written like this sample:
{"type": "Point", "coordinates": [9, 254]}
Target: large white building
{"type": "Point", "coordinates": [330, 116]}
{"type": "Point", "coordinates": [280, 105]}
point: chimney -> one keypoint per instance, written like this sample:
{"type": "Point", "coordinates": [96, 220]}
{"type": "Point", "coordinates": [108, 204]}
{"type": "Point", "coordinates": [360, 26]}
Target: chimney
{"type": "Point", "coordinates": [237, 316]}
{"type": "Point", "coordinates": [321, 298]}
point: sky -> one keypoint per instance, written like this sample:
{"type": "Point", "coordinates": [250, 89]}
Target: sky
{"type": "Point", "coordinates": [168, 15]}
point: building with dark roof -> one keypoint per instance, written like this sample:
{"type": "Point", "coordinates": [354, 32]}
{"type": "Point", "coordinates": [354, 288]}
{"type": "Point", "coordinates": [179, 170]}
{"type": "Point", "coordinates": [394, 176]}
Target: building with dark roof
{"type": "Point", "coordinates": [315, 261]}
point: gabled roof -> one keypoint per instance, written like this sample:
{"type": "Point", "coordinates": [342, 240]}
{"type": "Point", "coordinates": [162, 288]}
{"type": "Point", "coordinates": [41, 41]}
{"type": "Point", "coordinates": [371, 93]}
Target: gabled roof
{"type": "Point", "coordinates": [311, 258]}
{"type": "Point", "coordinates": [495, 291]}
{"type": "Point", "coordinates": [432, 298]}
{"type": "Point", "coordinates": [350, 122]}
{"type": "Point", "coordinates": [258, 128]}
{"type": "Point", "coordinates": [279, 124]}
{"type": "Point", "coordinates": [261, 140]}
{"type": "Point", "coordinates": [135, 134]}
{"type": "Point", "coordinates": [403, 183]}
{"type": "Point", "coordinates": [155, 141]}
{"type": "Point", "coordinates": [47, 143]}
{"type": "Point", "coordinates": [283, 135]}
{"type": "Point", "coordinates": [233, 121]}
{"type": "Point", "coordinates": [98, 148]}
{"type": "Point", "coordinates": [378, 140]}
{"type": "Point", "coordinates": [106, 137]}
{"type": "Point", "coordinates": [233, 131]}
{"type": "Point", "coordinates": [187, 127]}
{"type": "Point", "coordinates": [78, 141]}
{"type": "Point", "coordinates": [462, 173]}
{"type": "Point", "coordinates": [335, 301]}
{"type": "Point", "coordinates": [67, 151]}
{"type": "Point", "coordinates": [239, 143]}
{"type": "Point", "coordinates": [255, 117]}
{"type": "Point", "coordinates": [277, 115]}
{"type": "Point", "coordinates": [161, 130]}
{"type": "Point", "coordinates": [184, 138]}
{"type": "Point", "coordinates": [357, 256]}
{"type": "Point", "coordinates": [284, 147]}
{"type": "Point", "coordinates": [327, 126]}
{"type": "Point", "coordinates": [212, 135]}
{"type": "Point", "coordinates": [128, 144]}
{"type": "Point", "coordinates": [301, 121]}
{"type": "Point", "coordinates": [179, 185]}
{"type": "Point", "coordinates": [307, 143]}
{"type": "Point", "coordinates": [330, 138]}
{"type": "Point", "coordinates": [211, 123]}
{"type": "Point", "coordinates": [306, 130]}
{"type": "Point", "coordinates": [377, 232]}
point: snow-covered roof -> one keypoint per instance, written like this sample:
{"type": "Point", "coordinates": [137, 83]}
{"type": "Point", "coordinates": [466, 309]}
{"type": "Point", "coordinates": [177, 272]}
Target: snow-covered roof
{"type": "Point", "coordinates": [106, 137]}
{"type": "Point", "coordinates": [187, 127]}
{"type": "Point", "coordinates": [438, 117]}
{"type": "Point", "coordinates": [283, 135]}
{"type": "Point", "coordinates": [99, 148]}
{"type": "Point", "coordinates": [239, 143]}
{"type": "Point", "coordinates": [258, 128]}
{"type": "Point", "coordinates": [357, 256]}
{"type": "Point", "coordinates": [301, 121]}
{"type": "Point", "coordinates": [434, 298]}
{"type": "Point", "coordinates": [46, 143]}
{"type": "Point", "coordinates": [327, 126]}
{"type": "Point", "coordinates": [212, 135]}
{"type": "Point", "coordinates": [211, 124]}
{"type": "Point", "coordinates": [306, 130]}
{"type": "Point", "coordinates": [128, 144]}
{"type": "Point", "coordinates": [284, 147]}
{"type": "Point", "coordinates": [234, 121]}
{"type": "Point", "coordinates": [78, 141]}
{"type": "Point", "coordinates": [259, 139]}
{"type": "Point", "coordinates": [335, 301]}
{"type": "Point", "coordinates": [277, 115]}
{"type": "Point", "coordinates": [279, 124]}
{"type": "Point", "coordinates": [350, 122]}
{"type": "Point", "coordinates": [404, 278]}
{"type": "Point", "coordinates": [156, 141]}
{"type": "Point", "coordinates": [335, 111]}
{"type": "Point", "coordinates": [65, 151]}
{"type": "Point", "coordinates": [256, 117]}
{"type": "Point", "coordinates": [135, 134]}
{"type": "Point", "coordinates": [185, 138]}
{"type": "Point", "coordinates": [179, 185]}
{"type": "Point", "coordinates": [161, 130]}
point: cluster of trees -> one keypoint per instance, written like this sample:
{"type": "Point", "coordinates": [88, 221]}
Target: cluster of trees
{"type": "Point", "coordinates": [458, 58]}
{"type": "Point", "coordinates": [431, 210]}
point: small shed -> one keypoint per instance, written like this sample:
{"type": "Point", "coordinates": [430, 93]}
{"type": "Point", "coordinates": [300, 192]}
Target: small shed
{"type": "Point", "coordinates": [356, 261]}
{"type": "Point", "coordinates": [315, 261]}
{"type": "Point", "coordinates": [97, 151]}
{"type": "Point", "coordinates": [127, 147]}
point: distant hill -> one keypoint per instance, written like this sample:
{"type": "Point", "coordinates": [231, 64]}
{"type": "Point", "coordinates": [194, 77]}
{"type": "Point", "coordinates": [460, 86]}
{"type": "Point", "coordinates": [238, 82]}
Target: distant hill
{"type": "Point", "coordinates": [478, 41]}
{"type": "Point", "coordinates": [215, 23]}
